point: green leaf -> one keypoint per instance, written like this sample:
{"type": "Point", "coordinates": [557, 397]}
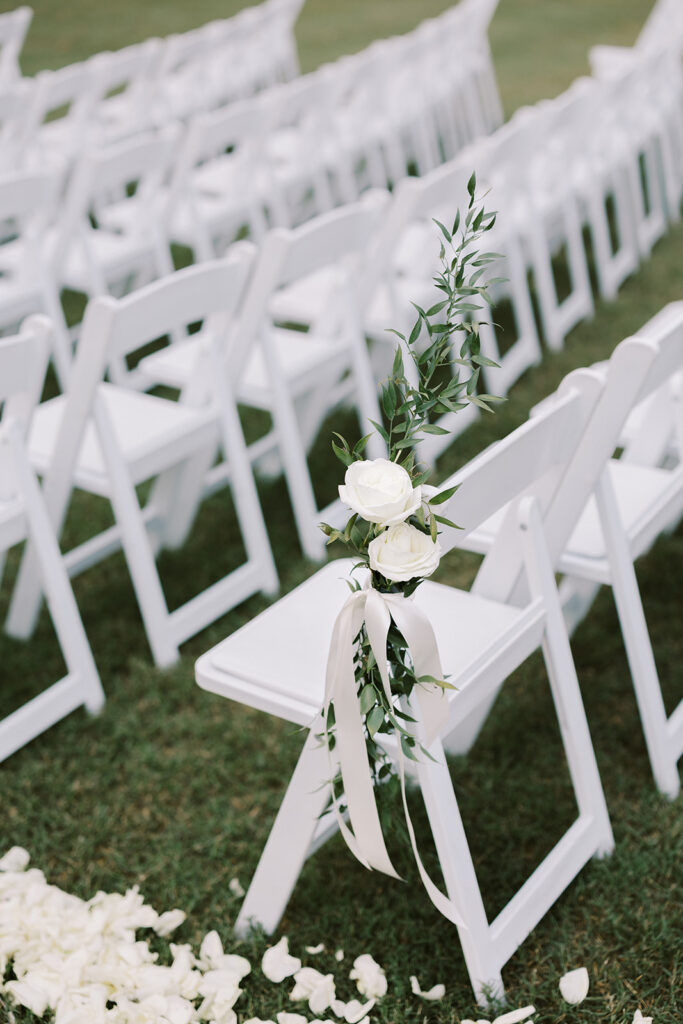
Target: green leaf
{"type": "Point", "coordinates": [397, 368]}
{"type": "Point", "coordinates": [367, 698]}
{"type": "Point", "coordinates": [343, 454]}
{"type": "Point", "coordinates": [375, 720]}
{"type": "Point", "coordinates": [472, 184]}
{"type": "Point", "coordinates": [389, 399]}
{"type": "Point", "coordinates": [415, 333]}
{"type": "Point", "coordinates": [444, 230]}
{"type": "Point", "coordinates": [437, 308]}
{"type": "Point", "coordinates": [456, 222]}
{"type": "Point", "coordinates": [406, 743]}
{"type": "Point", "coordinates": [381, 431]}
{"type": "Point", "coordinates": [432, 428]}
{"type": "Point", "coordinates": [447, 522]}
{"type": "Point", "coordinates": [443, 496]}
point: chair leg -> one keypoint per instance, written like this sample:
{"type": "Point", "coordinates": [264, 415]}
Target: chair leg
{"type": "Point", "coordinates": [460, 877]}
{"type": "Point", "coordinates": [564, 685]}
{"type": "Point", "coordinates": [663, 755]}
{"type": "Point", "coordinates": [289, 841]}
{"type": "Point", "coordinates": [59, 595]}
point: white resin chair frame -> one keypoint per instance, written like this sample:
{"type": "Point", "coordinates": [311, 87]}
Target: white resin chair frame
{"type": "Point", "coordinates": [276, 663]}
{"type": "Point", "coordinates": [23, 516]}
{"type": "Point", "coordinates": [107, 440]}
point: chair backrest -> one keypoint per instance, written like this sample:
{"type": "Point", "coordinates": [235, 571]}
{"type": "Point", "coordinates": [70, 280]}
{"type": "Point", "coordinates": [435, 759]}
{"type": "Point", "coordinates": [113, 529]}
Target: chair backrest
{"type": "Point", "coordinates": [28, 200]}
{"type": "Point", "coordinates": [114, 174]}
{"type": "Point", "coordinates": [333, 239]}
{"type": "Point", "coordinates": [13, 28]}
{"type": "Point", "coordinates": [638, 367]}
{"type": "Point", "coordinates": [62, 100]}
{"type": "Point", "coordinates": [23, 362]}
{"type": "Point", "coordinates": [528, 462]}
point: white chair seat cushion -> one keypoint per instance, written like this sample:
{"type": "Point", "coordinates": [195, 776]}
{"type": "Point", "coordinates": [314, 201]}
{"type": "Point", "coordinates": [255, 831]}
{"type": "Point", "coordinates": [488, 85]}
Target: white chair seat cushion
{"type": "Point", "coordinates": [638, 490]}
{"type": "Point", "coordinates": [299, 355]}
{"type": "Point", "coordinates": [277, 661]}
{"type": "Point", "coordinates": [150, 432]}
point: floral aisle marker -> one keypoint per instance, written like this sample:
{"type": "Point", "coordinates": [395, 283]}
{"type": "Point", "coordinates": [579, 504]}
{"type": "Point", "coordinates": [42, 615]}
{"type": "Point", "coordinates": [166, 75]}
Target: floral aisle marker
{"type": "Point", "coordinates": [383, 651]}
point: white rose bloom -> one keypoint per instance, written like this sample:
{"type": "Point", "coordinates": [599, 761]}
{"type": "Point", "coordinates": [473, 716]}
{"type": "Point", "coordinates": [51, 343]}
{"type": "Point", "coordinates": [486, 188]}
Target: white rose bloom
{"type": "Point", "coordinates": [369, 977]}
{"type": "Point", "coordinates": [380, 492]}
{"type": "Point", "coordinates": [403, 552]}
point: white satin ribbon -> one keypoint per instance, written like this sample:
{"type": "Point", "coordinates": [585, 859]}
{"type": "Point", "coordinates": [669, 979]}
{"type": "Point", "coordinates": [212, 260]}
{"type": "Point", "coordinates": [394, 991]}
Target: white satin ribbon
{"type": "Point", "coordinates": [376, 610]}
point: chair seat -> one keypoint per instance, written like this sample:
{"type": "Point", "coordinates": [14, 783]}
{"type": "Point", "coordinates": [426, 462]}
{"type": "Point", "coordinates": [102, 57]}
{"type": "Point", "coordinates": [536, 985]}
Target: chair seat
{"type": "Point", "coordinates": [276, 662]}
{"type": "Point", "coordinates": [151, 433]}
{"type": "Point", "coordinates": [640, 492]}
{"type": "Point", "coordinates": [299, 355]}
{"type": "Point", "coordinates": [114, 254]}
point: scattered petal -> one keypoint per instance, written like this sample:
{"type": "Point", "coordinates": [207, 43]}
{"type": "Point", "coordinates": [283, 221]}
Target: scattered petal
{"type": "Point", "coordinates": [211, 950]}
{"type": "Point", "coordinates": [16, 859]}
{"type": "Point", "coordinates": [235, 887]}
{"type": "Point", "coordinates": [277, 964]}
{"type": "Point", "coordinates": [314, 950]}
{"type": "Point", "coordinates": [316, 987]}
{"type": "Point", "coordinates": [434, 993]}
{"type": "Point", "coordinates": [574, 985]}
{"type": "Point", "coordinates": [169, 921]}
{"type": "Point", "coordinates": [355, 1011]}
{"type": "Point", "coordinates": [515, 1016]}
{"type": "Point", "coordinates": [339, 955]}
{"type": "Point", "coordinates": [639, 1019]}
{"type": "Point", "coordinates": [369, 977]}
{"type": "Point", "coordinates": [291, 1018]}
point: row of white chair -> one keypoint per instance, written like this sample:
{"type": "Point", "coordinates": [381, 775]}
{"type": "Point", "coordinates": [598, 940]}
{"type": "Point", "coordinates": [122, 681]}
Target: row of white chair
{"type": "Point", "coordinates": [398, 91]}
{"type": "Point", "coordinates": [113, 95]}
{"type": "Point", "coordinates": [548, 498]}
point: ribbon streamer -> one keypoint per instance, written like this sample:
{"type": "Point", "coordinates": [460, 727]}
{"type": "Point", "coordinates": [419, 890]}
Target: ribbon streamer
{"type": "Point", "coordinates": [375, 610]}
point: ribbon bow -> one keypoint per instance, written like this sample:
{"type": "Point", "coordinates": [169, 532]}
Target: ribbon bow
{"type": "Point", "coordinates": [375, 610]}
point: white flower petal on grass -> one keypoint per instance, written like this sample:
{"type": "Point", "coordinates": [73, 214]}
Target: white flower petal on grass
{"type": "Point", "coordinates": [515, 1016]}
{"type": "Point", "coordinates": [468, 1021]}
{"type": "Point", "coordinates": [355, 1011]}
{"type": "Point", "coordinates": [277, 964]}
{"type": "Point", "coordinates": [169, 921]}
{"type": "Point", "coordinates": [639, 1019]}
{"type": "Point", "coordinates": [316, 987]}
{"type": "Point", "coordinates": [434, 993]}
{"type": "Point", "coordinates": [291, 1018]}
{"type": "Point", "coordinates": [314, 950]}
{"type": "Point", "coordinates": [369, 977]}
{"type": "Point", "coordinates": [30, 996]}
{"type": "Point", "coordinates": [211, 950]}
{"type": "Point", "coordinates": [339, 955]}
{"type": "Point", "coordinates": [574, 985]}
{"type": "Point", "coordinates": [235, 887]}
{"type": "Point", "coordinates": [16, 859]}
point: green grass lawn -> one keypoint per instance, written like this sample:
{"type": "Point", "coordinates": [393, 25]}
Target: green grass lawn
{"type": "Point", "coordinates": [175, 790]}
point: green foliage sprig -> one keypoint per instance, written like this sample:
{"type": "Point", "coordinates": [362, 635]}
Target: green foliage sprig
{"type": "Point", "coordinates": [443, 355]}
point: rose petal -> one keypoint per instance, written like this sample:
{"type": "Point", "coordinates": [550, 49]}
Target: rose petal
{"type": "Point", "coordinates": [639, 1019]}
{"type": "Point", "coordinates": [277, 964]}
{"type": "Point", "coordinates": [291, 1018]}
{"type": "Point", "coordinates": [515, 1016]}
{"type": "Point", "coordinates": [314, 950]}
{"type": "Point", "coordinates": [235, 887]}
{"type": "Point", "coordinates": [434, 993]}
{"type": "Point", "coordinates": [16, 859]}
{"type": "Point", "coordinates": [169, 921]}
{"type": "Point", "coordinates": [339, 955]}
{"type": "Point", "coordinates": [574, 985]}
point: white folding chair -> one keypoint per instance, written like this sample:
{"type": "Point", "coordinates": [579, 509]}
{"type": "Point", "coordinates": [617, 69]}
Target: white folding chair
{"type": "Point", "coordinates": [27, 204]}
{"type": "Point", "coordinates": [58, 119]}
{"type": "Point", "coordinates": [577, 160]}
{"type": "Point", "coordinates": [297, 377]}
{"type": "Point", "coordinates": [110, 236]}
{"type": "Point", "coordinates": [125, 85]}
{"type": "Point", "coordinates": [607, 512]}
{"type": "Point", "coordinates": [107, 440]}
{"type": "Point", "coordinates": [13, 28]}
{"type": "Point", "coordinates": [276, 663]}
{"type": "Point", "coordinates": [546, 221]}
{"type": "Point", "coordinates": [220, 181]}
{"type": "Point", "coordinates": [23, 517]}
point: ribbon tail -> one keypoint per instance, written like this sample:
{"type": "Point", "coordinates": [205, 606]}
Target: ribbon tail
{"type": "Point", "coordinates": [419, 635]}
{"type": "Point", "coordinates": [366, 842]}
